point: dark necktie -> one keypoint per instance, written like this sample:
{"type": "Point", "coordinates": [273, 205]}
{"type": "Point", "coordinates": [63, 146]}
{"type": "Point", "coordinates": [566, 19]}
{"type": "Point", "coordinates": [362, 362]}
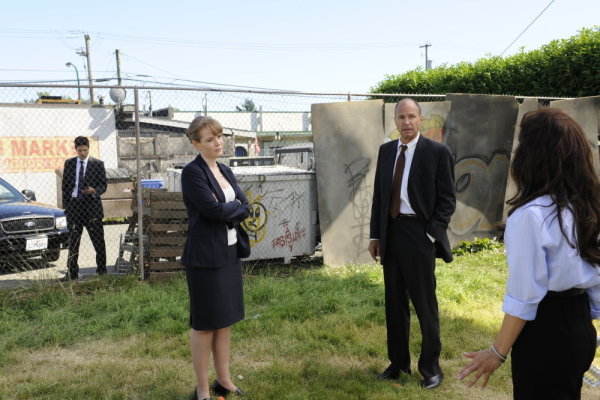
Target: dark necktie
{"type": "Point", "coordinates": [81, 175]}
{"type": "Point", "coordinates": [397, 183]}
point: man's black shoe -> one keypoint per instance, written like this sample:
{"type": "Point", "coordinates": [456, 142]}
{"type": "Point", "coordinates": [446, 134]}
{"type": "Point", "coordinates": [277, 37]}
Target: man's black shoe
{"type": "Point", "coordinates": [432, 382]}
{"type": "Point", "coordinates": [392, 372]}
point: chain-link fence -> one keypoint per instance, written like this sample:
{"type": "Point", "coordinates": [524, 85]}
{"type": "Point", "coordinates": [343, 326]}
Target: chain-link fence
{"type": "Point", "coordinates": [139, 135]}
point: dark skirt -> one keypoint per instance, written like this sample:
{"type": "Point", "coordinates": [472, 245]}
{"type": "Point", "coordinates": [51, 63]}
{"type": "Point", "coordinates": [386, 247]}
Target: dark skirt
{"type": "Point", "coordinates": [553, 351]}
{"type": "Point", "coordinates": [216, 294]}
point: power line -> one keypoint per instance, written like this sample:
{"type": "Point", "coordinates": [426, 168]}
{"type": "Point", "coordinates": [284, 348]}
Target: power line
{"type": "Point", "coordinates": [179, 78]}
{"type": "Point", "coordinates": [214, 84]}
{"type": "Point", "coordinates": [66, 81]}
{"type": "Point", "coordinates": [31, 33]}
{"type": "Point", "coordinates": [531, 23]}
{"type": "Point", "coordinates": [149, 65]}
{"type": "Point", "coordinates": [62, 71]}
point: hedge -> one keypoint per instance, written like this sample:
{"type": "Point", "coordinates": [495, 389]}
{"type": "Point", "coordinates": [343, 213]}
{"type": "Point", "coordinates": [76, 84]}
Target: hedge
{"type": "Point", "coordinates": [562, 68]}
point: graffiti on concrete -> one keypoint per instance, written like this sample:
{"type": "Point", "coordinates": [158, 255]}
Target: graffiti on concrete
{"type": "Point", "coordinates": [288, 238]}
{"type": "Point", "coordinates": [433, 127]}
{"type": "Point", "coordinates": [271, 203]}
{"type": "Point", "coordinates": [361, 195]}
{"type": "Point", "coordinates": [285, 202]}
{"type": "Point", "coordinates": [479, 200]}
{"type": "Point", "coordinates": [256, 223]}
{"type": "Point", "coordinates": [275, 199]}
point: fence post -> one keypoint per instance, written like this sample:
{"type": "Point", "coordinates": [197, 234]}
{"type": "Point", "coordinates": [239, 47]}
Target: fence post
{"type": "Point", "coordinates": [140, 205]}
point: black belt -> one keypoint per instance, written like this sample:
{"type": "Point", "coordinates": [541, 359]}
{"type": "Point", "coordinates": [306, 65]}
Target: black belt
{"type": "Point", "coordinates": [566, 293]}
{"type": "Point", "coordinates": [407, 216]}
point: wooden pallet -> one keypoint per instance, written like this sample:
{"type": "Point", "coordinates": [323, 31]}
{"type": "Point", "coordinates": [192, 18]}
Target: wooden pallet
{"type": "Point", "coordinates": [166, 227]}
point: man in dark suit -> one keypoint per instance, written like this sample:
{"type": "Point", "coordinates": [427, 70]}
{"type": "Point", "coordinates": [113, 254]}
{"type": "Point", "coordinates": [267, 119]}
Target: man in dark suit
{"type": "Point", "coordinates": [413, 200]}
{"type": "Point", "coordinates": [84, 180]}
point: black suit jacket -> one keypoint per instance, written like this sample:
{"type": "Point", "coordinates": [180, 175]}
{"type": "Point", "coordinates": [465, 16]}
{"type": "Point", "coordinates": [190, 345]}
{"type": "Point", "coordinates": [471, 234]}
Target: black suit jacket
{"type": "Point", "coordinates": [430, 191]}
{"type": "Point", "coordinates": [209, 214]}
{"type": "Point", "coordinates": [95, 176]}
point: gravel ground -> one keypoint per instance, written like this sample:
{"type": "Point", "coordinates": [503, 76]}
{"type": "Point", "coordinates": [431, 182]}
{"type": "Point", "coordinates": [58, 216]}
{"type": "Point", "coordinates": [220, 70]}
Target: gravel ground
{"type": "Point", "coordinates": [87, 261]}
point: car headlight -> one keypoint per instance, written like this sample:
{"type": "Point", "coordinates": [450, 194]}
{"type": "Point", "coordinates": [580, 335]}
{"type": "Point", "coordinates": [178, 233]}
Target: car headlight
{"type": "Point", "coordinates": [61, 222]}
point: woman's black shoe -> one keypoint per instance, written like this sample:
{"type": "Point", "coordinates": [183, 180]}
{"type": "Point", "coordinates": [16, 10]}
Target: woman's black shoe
{"type": "Point", "coordinates": [195, 395]}
{"type": "Point", "coordinates": [223, 391]}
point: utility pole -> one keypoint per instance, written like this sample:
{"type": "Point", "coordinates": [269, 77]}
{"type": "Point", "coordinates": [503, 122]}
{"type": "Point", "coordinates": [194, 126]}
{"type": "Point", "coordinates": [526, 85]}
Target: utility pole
{"type": "Point", "coordinates": [426, 45]}
{"type": "Point", "coordinates": [86, 53]}
{"type": "Point", "coordinates": [118, 67]}
{"type": "Point", "coordinates": [149, 94]}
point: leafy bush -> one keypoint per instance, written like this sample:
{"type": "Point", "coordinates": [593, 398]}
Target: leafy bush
{"type": "Point", "coordinates": [475, 246]}
{"type": "Point", "coordinates": [562, 68]}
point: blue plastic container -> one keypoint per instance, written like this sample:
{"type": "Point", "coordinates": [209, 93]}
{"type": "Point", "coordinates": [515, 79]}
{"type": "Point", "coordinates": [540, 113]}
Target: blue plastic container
{"type": "Point", "coordinates": [153, 183]}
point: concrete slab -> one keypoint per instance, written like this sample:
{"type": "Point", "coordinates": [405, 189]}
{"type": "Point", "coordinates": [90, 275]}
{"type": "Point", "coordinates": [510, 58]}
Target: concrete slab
{"type": "Point", "coordinates": [480, 131]}
{"type": "Point", "coordinates": [586, 111]}
{"type": "Point", "coordinates": [346, 138]}
{"type": "Point", "coordinates": [526, 106]}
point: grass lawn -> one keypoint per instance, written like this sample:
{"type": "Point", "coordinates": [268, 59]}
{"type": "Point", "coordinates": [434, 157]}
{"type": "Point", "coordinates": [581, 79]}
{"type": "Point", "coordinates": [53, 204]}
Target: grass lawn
{"type": "Point", "coordinates": [311, 332]}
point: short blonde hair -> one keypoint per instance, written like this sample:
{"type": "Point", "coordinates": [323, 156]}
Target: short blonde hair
{"type": "Point", "coordinates": [199, 123]}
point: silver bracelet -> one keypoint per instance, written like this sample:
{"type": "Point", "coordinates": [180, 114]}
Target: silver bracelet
{"type": "Point", "coordinates": [497, 355]}
{"type": "Point", "coordinates": [498, 360]}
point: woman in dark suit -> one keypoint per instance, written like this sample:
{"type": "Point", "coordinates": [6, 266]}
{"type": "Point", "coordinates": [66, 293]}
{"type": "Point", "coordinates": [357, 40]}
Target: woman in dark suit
{"type": "Point", "coordinates": [552, 243]}
{"type": "Point", "coordinates": [216, 206]}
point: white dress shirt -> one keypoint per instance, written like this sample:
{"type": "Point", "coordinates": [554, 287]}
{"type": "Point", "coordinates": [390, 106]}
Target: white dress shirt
{"type": "Point", "coordinates": [405, 207]}
{"type": "Point", "coordinates": [231, 233]}
{"type": "Point", "coordinates": [76, 187]}
{"type": "Point", "coordinates": [540, 259]}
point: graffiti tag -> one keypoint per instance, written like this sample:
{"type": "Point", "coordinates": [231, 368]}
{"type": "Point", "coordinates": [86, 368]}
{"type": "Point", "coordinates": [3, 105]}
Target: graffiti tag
{"type": "Point", "coordinates": [288, 238]}
{"type": "Point", "coordinates": [360, 195]}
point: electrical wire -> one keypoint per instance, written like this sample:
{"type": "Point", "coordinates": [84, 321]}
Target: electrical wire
{"type": "Point", "coordinates": [30, 33]}
{"type": "Point", "coordinates": [531, 23]}
{"type": "Point", "coordinates": [179, 78]}
{"type": "Point", "coordinates": [61, 71]}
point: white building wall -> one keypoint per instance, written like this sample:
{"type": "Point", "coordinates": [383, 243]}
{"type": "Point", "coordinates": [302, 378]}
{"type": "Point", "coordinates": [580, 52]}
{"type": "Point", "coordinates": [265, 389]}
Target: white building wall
{"type": "Point", "coordinates": [36, 139]}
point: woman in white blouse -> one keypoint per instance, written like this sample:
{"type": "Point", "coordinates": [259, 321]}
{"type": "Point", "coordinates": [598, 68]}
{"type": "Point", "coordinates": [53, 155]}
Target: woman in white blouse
{"type": "Point", "coordinates": [553, 254]}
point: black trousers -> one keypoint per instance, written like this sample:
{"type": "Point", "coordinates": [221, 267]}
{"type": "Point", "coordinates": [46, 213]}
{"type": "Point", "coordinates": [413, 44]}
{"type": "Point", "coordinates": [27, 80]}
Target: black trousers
{"type": "Point", "coordinates": [76, 221]}
{"type": "Point", "coordinates": [409, 273]}
{"type": "Point", "coordinates": [553, 351]}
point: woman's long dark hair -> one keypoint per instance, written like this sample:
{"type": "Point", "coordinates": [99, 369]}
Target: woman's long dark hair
{"type": "Point", "coordinates": [554, 158]}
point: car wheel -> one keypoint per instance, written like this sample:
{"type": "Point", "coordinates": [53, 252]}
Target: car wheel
{"type": "Point", "coordinates": [51, 255]}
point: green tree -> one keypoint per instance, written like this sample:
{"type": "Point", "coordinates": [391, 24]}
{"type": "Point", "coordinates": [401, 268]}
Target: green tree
{"type": "Point", "coordinates": [247, 105]}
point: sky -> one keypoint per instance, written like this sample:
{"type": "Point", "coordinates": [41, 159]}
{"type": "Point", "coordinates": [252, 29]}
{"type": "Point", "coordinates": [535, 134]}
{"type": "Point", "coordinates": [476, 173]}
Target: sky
{"type": "Point", "coordinates": [311, 46]}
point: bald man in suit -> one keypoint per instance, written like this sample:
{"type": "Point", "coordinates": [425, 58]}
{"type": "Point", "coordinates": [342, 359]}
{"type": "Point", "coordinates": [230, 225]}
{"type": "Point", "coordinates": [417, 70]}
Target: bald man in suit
{"type": "Point", "coordinates": [413, 200]}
